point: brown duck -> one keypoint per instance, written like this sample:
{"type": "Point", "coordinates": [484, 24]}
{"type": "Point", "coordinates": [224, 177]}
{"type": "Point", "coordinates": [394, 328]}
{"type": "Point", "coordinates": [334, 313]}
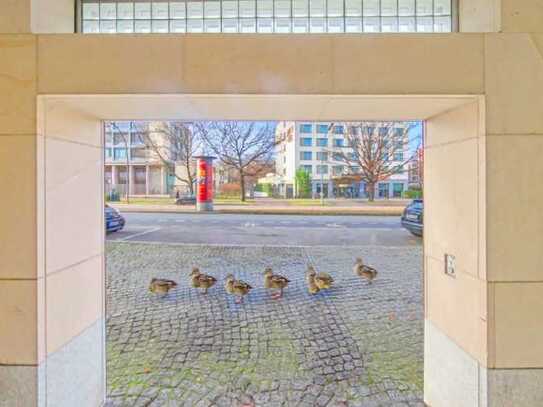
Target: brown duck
{"type": "Point", "coordinates": [364, 271]}
{"type": "Point", "coordinates": [238, 288]}
{"type": "Point", "coordinates": [200, 280]}
{"type": "Point", "coordinates": [321, 281]}
{"type": "Point", "coordinates": [161, 286]}
{"type": "Point", "coordinates": [275, 282]}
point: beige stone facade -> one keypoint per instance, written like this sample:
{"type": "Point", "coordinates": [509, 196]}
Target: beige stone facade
{"type": "Point", "coordinates": [481, 94]}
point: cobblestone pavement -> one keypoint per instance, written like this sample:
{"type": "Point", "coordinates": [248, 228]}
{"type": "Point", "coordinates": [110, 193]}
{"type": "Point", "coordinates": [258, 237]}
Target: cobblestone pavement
{"type": "Point", "coordinates": [355, 345]}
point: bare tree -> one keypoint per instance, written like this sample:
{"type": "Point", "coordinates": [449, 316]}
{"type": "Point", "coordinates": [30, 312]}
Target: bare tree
{"type": "Point", "coordinates": [374, 151]}
{"type": "Point", "coordinates": [246, 147]}
{"type": "Point", "coordinates": [174, 143]}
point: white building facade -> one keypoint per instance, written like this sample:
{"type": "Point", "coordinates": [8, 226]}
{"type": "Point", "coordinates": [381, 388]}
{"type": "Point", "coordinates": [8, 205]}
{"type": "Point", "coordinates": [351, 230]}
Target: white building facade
{"type": "Point", "coordinates": [311, 146]}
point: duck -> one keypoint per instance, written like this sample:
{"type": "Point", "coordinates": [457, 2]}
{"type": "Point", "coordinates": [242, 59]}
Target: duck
{"type": "Point", "coordinates": [275, 281]}
{"type": "Point", "coordinates": [238, 288]}
{"type": "Point", "coordinates": [364, 271]}
{"type": "Point", "coordinates": [200, 280]}
{"type": "Point", "coordinates": [322, 281]}
{"type": "Point", "coordinates": [161, 285]}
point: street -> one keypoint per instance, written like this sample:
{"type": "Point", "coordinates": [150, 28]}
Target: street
{"type": "Point", "coordinates": [269, 230]}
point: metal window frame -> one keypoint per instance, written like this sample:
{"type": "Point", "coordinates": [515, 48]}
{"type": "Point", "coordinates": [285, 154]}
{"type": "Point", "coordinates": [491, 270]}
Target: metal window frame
{"type": "Point", "coordinates": [455, 23]}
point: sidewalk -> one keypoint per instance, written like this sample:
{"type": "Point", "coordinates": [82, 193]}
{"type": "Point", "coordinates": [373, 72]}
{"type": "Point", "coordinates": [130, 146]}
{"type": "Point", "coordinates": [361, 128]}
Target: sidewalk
{"type": "Point", "coordinates": [373, 210]}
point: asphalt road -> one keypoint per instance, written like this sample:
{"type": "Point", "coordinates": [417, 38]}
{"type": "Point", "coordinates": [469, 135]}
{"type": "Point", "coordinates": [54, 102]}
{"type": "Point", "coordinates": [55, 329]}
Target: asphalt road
{"type": "Point", "coordinates": [272, 230]}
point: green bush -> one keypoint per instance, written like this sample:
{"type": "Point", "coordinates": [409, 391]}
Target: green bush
{"type": "Point", "coordinates": [413, 194]}
{"type": "Point", "coordinates": [303, 184]}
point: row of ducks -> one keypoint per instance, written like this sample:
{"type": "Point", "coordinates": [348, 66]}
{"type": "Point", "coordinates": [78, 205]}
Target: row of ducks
{"type": "Point", "coordinates": [316, 282]}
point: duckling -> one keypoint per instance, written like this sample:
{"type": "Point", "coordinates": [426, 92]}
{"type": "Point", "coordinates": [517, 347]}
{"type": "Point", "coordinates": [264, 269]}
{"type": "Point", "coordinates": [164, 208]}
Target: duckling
{"type": "Point", "coordinates": [275, 281]}
{"type": "Point", "coordinates": [200, 280]}
{"type": "Point", "coordinates": [161, 286]}
{"type": "Point", "coordinates": [236, 287]}
{"type": "Point", "coordinates": [322, 280]}
{"type": "Point", "coordinates": [364, 271]}
{"type": "Point", "coordinates": [310, 278]}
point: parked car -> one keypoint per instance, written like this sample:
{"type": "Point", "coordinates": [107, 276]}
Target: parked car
{"type": "Point", "coordinates": [186, 200]}
{"type": "Point", "coordinates": [114, 220]}
{"type": "Point", "coordinates": [412, 218]}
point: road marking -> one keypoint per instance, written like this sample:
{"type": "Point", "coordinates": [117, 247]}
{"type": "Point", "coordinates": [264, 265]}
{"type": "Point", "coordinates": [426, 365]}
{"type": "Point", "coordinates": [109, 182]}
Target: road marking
{"type": "Point", "coordinates": [138, 234]}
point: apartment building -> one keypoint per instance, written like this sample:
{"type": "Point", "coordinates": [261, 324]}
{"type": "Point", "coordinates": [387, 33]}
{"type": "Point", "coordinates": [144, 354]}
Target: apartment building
{"type": "Point", "coordinates": [131, 164]}
{"type": "Point", "coordinates": [315, 147]}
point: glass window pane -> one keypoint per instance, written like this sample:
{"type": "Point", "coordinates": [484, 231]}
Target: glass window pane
{"type": "Point", "coordinates": [160, 26]}
{"type": "Point", "coordinates": [212, 9]}
{"type": "Point", "coordinates": [318, 25]}
{"type": "Point", "coordinates": [300, 8]}
{"type": "Point", "coordinates": [91, 26]}
{"type": "Point", "coordinates": [371, 7]}
{"type": "Point", "coordinates": [335, 8]}
{"type": "Point", "coordinates": [442, 24]}
{"type": "Point", "coordinates": [407, 24]}
{"type": "Point", "coordinates": [230, 25]}
{"type": "Point", "coordinates": [442, 7]}
{"type": "Point", "coordinates": [353, 8]}
{"type": "Point", "coordinates": [282, 25]}
{"type": "Point", "coordinates": [406, 7]}
{"type": "Point", "coordinates": [317, 8]}
{"type": "Point", "coordinates": [91, 11]}
{"type": "Point", "coordinates": [335, 25]}
{"type": "Point", "coordinates": [265, 25]}
{"type": "Point", "coordinates": [300, 25]}
{"type": "Point", "coordinates": [125, 26]}
{"type": "Point", "coordinates": [229, 9]}
{"type": "Point", "coordinates": [425, 24]}
{"type": "Point", "coordinates": [160, 10]}
{"type": "Point", "coordinates": [371, 25]}
{"type": "Point", "coordinates": [142, 26]}
{"type": "Point", "coordinates": [424, 8]}
{"type": "Point", "coordinates": [108, 26]}
{"type": "Point", "coordinates": [142, 11]}
{"type": "Point", "coordinates": [108, 11]}
{"type": "Point", "coordinates": [264, 8]}
{"type": "Point", "coordinates": [353, 25]}
{"type": "Point", "coordinates": [178, 26]}
{"type": "Point", "coordinates": [282, 8]}
{"type": "Point", "coordinates": [247, 25]}
{"type": "Point", "coordinates": [195, 26]}
{"type": "Point", "coordinates": [177, 9]}
{"type": "Point", "coordinates": [389, 24]}
{"type": "Point", "coordinates": [195, 9]}
{"type": "Point", "coordinates": [125, 11]}
{"type": "Point", "coordinates": [247, 8]}
{"type": "Point", "coordinates": [212, 25]}
{"type": "Point", "coordinates": [389, 7]}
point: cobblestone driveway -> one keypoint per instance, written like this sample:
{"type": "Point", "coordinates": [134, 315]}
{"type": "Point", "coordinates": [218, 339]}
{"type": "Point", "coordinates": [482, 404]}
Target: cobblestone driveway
{"type": "Point", "coordinates": [356, 345]}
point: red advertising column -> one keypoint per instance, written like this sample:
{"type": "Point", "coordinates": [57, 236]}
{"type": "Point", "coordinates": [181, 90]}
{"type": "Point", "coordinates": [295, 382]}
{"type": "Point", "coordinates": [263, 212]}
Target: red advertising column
{"type": "Point", "coordinates": [204, 190]}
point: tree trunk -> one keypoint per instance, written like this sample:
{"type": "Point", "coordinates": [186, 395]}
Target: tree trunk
{"type": "Point", "coordinates": [242, 185]}
{"type": "Point", "coordinates": [371, 191]}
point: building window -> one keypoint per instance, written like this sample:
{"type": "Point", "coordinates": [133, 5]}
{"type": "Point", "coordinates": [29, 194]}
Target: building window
{"type": "Point", "coordinates": [338, 142]}
{"type": "Point", "coordinates": [339, 129]}
{"type": "Point", "coordinates": [108, 153]}
{"type": "Point", "coordinates": [337, 170]}
{"type": "Point", "coordinates": [397, 190]}
{"type": "Point", "coordinates": [337, 157]}
{"type": "Point", "coordinates": [383, 190]}
{"type": "Point", "coordinates": [322, 169]}
{"type": "Point", "coordinates": [265, 16]}
{"type": "Point", "coordinates": [398, 156]}
{"type": "Point", "coordinates": [119, 153]}
{"type": "Point", "coordinates": [138, 153]}
{"type": "Point", "coordinates": [322, 128]}
{"type": "Point", "coordinates": [306, 128]}
{"type": "Point", "coordinates": [306, 155]}
{"type": "Point", "coordinates": [305, 141]}
{"type": "Point", "coordinates": [322, 156]}
{"type": "Point", "coordinates": [307, 168]}
{"type": "Point", "coordinates": [322, 142]}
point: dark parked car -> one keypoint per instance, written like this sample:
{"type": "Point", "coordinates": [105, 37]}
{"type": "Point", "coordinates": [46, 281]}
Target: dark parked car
{"type": "Point", "coordinates": [186, 200]}
{"type": "Point", "coordinates": [114, 219]}
{"type": "Point", "coordinates": [412, 218]}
